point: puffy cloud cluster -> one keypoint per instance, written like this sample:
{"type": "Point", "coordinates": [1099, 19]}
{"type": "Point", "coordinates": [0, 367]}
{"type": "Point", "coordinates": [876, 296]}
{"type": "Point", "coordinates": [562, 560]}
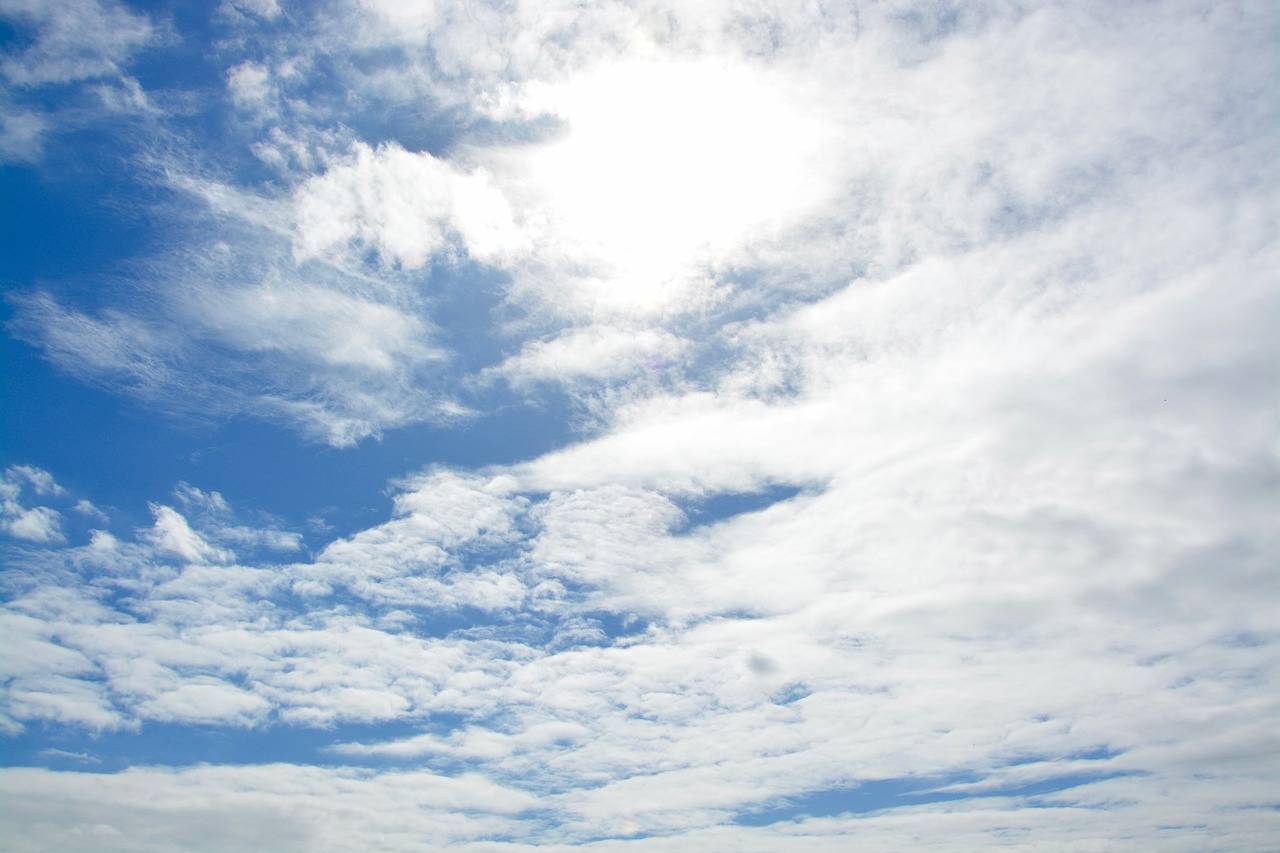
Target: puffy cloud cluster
{"type": "Point", "coordinates": [35, 524]}
{"type": "Point", "coordinates": [943, 601]}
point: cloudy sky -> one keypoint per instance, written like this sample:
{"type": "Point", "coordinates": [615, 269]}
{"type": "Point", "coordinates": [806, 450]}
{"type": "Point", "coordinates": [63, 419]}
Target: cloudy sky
{"type": "Point", "coordinates": [736, 425]}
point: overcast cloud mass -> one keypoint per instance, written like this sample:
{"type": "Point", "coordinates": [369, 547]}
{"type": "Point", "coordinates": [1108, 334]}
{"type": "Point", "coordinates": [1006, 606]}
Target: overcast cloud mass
{"type": "Point", "coordinates": [738, 425]}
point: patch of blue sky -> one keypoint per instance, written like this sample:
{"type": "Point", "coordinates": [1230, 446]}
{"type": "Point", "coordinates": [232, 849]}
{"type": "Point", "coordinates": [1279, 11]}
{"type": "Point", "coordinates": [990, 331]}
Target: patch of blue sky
{"type": "Point", "coordinates": [441, 622]}
{"type": "Point", "coordinates": [555, 632]}
{"type": "Point", "coordinates": [714, 508]}
{"type": "Point", "coordinates": [424, 126]}
{"type": "Point", "coordinates": [180, 57]}
{"type": "Point", "coordinates": [1096, 753]}
{"type": "Point", "coordinates": [13, 38]}
{"type": "Point", "coordinates": [627, 835]}
{"type": "Point", "coordinates": [120, 457]}
{"type": "Point", "coordinates": [67, 223]}
{"type": "Point", "coordinates": [883, 794]}
{"type": "Point", "coordinates": [61, 747]}
{"type": "Point", "coordinates": [1016, 214]}
{"type": "Point", "coordinates": [467, 301]}
{"type": "Point", "coordinates": [329, 87]}
{"type": "Point", "coordinates": [791, 693]}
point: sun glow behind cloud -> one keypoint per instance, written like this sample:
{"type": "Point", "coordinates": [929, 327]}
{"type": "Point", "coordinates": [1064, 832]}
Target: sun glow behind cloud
{"type": "Point", "coordinates": [661, 162]}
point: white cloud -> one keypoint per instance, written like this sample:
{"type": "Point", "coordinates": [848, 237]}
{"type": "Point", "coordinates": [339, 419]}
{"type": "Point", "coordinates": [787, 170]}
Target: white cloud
{"type": "Point", "coordinates": [85, 507]}
{"type": "Point", "coordinates": [318, 349]}
{"type": "Point", "coordinates": [278, 806]}
{"type": "Point", "coordinates": [206, 701]}
{"type": "Point", "coordinates": [171, 534]}
{"type": "Point", "coordinates": [114, 344]}
{"type": "Point", "coordinates": [21, 136]}
{"type": "Point", "coordinates": [406, 206]}
{"type": "Point", "coordinates": [249, 84]}
{"type": "Point", "coordinates": [83, 757]}
{"type": "Point", "coordinates": [317, 324]}
{"type": "Point", "coordinates": [39, 524]}
{"type": "Point", "coordinates": [266, 9]}
{"type": "Point", "coordinates": [38, 478]}
{"type": "Point", "coordinates": [36, 524]}
{"type": "Point", "coordinates": [55, 698]}
{"type": "Point", "coordinates": [888, 608]}
{"type": "Point", "coordinates": [597, 352]}
{"type": "Point", "coordinates": [73, 40]}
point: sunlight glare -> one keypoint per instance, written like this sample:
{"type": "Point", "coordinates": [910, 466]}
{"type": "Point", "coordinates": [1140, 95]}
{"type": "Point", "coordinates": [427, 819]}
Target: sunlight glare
{"type": "Point", "coordinates": [665, 161]}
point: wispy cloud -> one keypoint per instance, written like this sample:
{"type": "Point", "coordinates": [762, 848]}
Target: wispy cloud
{"type": "Point", "coordinates": [72, 40]}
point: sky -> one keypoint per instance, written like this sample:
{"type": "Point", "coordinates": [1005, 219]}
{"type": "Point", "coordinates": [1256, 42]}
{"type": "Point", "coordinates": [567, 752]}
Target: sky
{"type": "Point", "coordinates": [740, 425]}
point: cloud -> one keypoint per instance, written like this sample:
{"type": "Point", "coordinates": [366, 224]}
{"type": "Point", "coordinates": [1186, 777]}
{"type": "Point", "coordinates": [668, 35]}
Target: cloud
{"type": "Point", "coordinates": [886, 613]}
{"type": "Point", "coordinates": [39, 479]}
{"type": "Point", "coordinates": [210, 701]}
{"type": "Point", "coordinates": [313, 348]}
{"type": "Point", "coordinates": [171, 534]}
{"type": "Point", "coordinates": [59, 699]}
{"type": "Point", "coordinates": [36, 524]}
{"type": "Point", "coordinates": [21, 136]}
{"type": "Point", "coordinates": [73, 40]}
{"type": "Point", "coordinates": [266, 9]}
{"type": "Point", "coordinates": [67, 72]}
{"type": "Point", "coordinates": [405, 206]}
{"type": "Point", "coordinates": [595, 353]}
{"type": "Point", "coordinates": [39, 524]}
{"type": "Point", "coordinates": [87, 508]}
{"type": "Point", "coordinates": [248, 83]}
{"type": "Point", "coordinates": [113, 344]}
{"type": "Point", "coordinates": [285, 807]}
{"type": "Point", "coordinates": [82, 757]}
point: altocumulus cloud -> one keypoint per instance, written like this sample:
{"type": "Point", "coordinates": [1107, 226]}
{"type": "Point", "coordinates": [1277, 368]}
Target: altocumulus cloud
{"type": "Point", "coordinates": [914, 371]}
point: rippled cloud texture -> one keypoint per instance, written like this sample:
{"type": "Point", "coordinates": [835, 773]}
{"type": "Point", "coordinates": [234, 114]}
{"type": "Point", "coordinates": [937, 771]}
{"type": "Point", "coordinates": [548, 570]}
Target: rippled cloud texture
{"type": "Point", "coordinates": [816, 426]}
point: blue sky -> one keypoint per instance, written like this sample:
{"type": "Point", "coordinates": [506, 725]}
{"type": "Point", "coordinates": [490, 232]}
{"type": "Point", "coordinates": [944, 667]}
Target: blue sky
{"type": "Point", "coordinates": [717, 425]}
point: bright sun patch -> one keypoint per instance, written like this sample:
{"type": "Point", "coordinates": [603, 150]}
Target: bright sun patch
{"type": "Point", "coordinates": [662, 161]}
